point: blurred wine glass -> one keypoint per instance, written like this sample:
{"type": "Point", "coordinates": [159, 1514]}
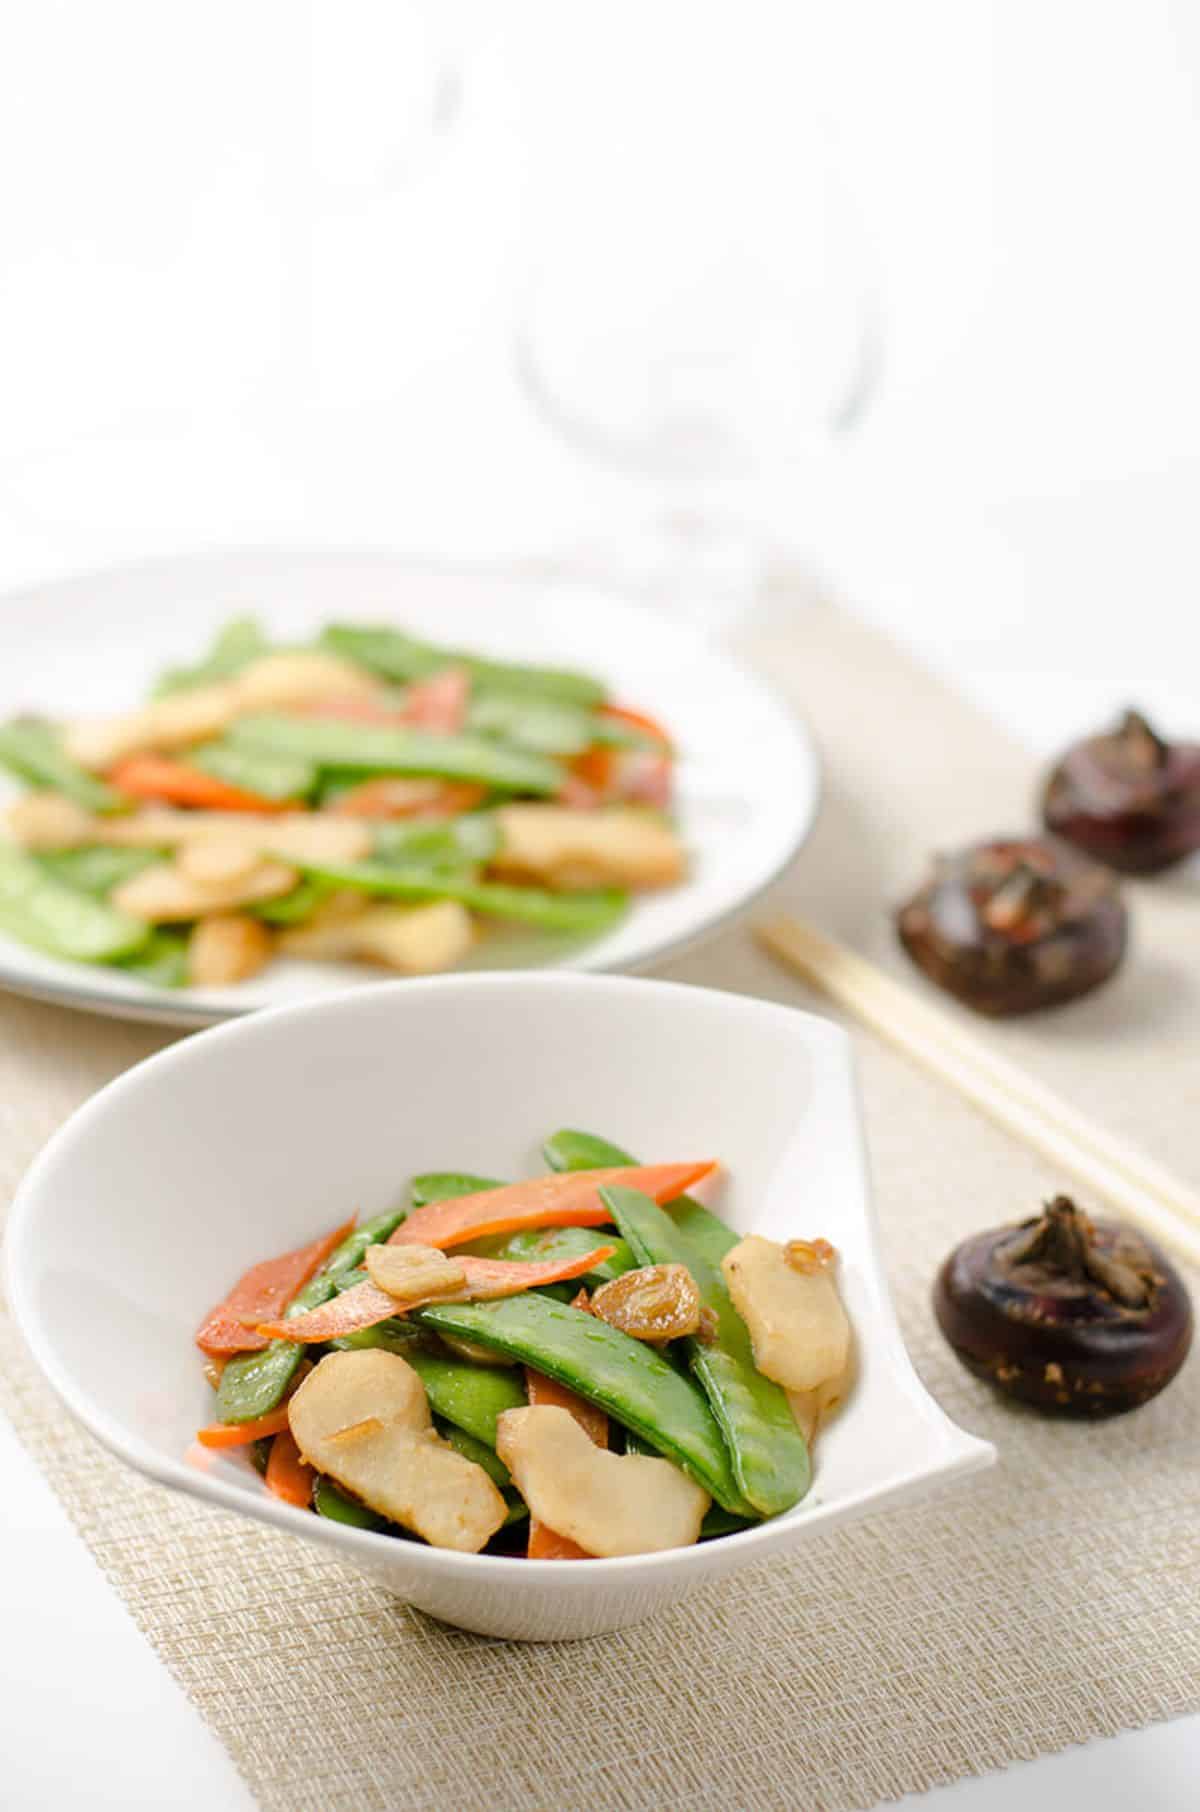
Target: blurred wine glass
{"type": "Point", "coordinates": [209, 272]}
{"type": "Point", "coordinates": [703, 316]}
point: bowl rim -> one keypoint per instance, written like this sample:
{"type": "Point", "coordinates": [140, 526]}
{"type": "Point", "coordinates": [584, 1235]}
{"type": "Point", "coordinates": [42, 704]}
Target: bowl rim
{"type": "Point", "coordinates": [964, 1453]}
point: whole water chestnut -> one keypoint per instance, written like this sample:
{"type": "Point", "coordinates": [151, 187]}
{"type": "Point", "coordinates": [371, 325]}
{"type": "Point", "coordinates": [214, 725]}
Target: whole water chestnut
{"type": "Point", "coordinates": [1127, 797]}
{"type": "Point", "coordinates": [1074, 1316]}
{"type": "Point", "coordinates": [1015, 924]}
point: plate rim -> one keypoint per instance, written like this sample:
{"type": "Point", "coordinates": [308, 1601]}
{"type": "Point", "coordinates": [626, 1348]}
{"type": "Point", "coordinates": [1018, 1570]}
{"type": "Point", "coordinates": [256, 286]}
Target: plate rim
{"type": "Point", "coordinates": [168, 1009]}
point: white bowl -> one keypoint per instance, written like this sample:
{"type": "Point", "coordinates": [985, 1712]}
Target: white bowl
{"type": "Point", "coordinates": [248, 1139]}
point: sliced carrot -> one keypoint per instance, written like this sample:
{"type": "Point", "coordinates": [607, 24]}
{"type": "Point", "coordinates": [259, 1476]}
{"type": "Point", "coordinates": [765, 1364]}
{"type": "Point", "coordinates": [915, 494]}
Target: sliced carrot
{"type": "Point", "coordinates": [567, 1199]}
{"type": "Point", "coordinates": [262, 1292]}
{"type": "Point", "coordinates": [398, 797]}
{"type": "Point", "coordinates": [488, 1278]}
{"type": "Point", "coordinates": [288, 1476]}
{"type": "Point", "coordinates": [241, 1434]}
{"type": "Point", "coordinates": [155, 777]}
{"type": "Point", "coordinates": [546, 1543]}
{"type": "Point", "coordinates": [549, 1391]}
{"type": "Point", "coordinates": [366, 1304]}
{"type": "Point", "coordinates": [439, 702]}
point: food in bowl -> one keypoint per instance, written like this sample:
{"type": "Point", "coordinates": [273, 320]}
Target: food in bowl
{"type": "Point", "coordinates": [582, 1365]}
{"type": "Point", "coordinates": [369, 798]}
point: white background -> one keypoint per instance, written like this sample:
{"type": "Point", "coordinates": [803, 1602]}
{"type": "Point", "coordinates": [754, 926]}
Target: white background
{"type": "Point", "coordinates": [191, 356]}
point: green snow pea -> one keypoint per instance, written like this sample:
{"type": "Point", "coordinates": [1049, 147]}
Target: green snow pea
{"type": "Point", "coordinates": [627, 1378]}
{"type": "Point", "coordinates": [542, 1245]}
{"type": "Point", "coordinates": [253, 1384]}
{"type": "Point", "coordinates": [446, 1185]}
{"type": "Point", "coordinates": [470, 1396]}
{"type": "Point", "coordinates": [402, 657]}
{"type": "Point", "coordinates": [471, 839]}
{"type": "Point", "coordinates": [722, 1522]}
{"type": "Point", "coordinates": [471, 1449]}
{"type": "Point", "coordinates": [329, 1501]}
{"type": "Point", "coordinates": [162, 961]}
{"type": "Point", "coordinates": [31, 749]}
{"type": "Point", "coordinates": [275, 777]}
{"type": "Point", "coordinates": [376, 748]}
{"type": "Point", "coordinates": [236, 645]}
{"type": "Point", "coordinates": [546, 725]}
{"type": "Point", "coordinates": [293, 908]}
{"type": "Point", "coordinates": [769, 1453]}
{"type": "Point", "coordinates": [38, 910]}
{"type": "Point", "coordinates": [580, 914]}
{"type": "Point", "coordinates": [97, 868]}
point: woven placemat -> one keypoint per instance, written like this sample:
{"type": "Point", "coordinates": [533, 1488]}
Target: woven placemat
{"type": "Point", "coordinates": [1051, 1600]}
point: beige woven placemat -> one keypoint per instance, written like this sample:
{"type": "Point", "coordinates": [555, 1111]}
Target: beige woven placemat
{"type": "Point", "coordinates": [1051, 1600]}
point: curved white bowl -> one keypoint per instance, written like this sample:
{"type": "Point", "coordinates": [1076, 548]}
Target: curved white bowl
{"type": "Point", "coordinates": [748, 776]}
{"type": "Point", "coordinates": [249, 1138]}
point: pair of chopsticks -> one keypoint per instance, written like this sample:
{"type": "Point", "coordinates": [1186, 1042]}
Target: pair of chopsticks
{"type": "Point", "coordinates": [1105, 1166]}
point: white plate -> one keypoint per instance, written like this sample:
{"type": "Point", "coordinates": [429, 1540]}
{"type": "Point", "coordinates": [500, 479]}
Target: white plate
{"type": "Point", "coordinates": [748, 773]}
{"type": "Point", "coordinates": [251, 1138]}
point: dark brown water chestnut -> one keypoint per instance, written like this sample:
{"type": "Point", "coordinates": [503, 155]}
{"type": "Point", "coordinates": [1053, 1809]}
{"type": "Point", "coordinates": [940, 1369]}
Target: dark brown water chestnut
{"type": "Point", "coordinates": [1015, 924]}
{"type": "Point", "coordinates": [1075, 1316]}
{"type": "Point", "coordinates": [1127, 797]}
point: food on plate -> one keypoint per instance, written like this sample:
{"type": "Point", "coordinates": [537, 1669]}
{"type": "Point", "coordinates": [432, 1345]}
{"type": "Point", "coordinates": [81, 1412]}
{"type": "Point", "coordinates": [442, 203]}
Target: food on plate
{"type": "Point", "coordinates": [1074, 1316]}
{"type": "Point", "coordinates": [586, 1364]}
{"type": "Point", "coordinates": [1016, 924]}
{"type": "Point", "coordinates": [1127, 797]}
{"type": "Point", "coordinates": [369, 799]}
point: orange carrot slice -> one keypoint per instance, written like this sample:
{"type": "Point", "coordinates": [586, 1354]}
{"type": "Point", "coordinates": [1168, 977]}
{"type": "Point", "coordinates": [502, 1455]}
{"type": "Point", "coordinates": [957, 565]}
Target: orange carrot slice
{"type": "Point", "coordinates": [487, 1278]}
{"type": "Point", "coordinates": [546, 1543]}
{"type": "Point", "coordinates": [288, 1476]}
{"type": "Point", "coordinates": [567, 1199]}
{"type": "Point", "coordinates": [262, 1292]}
{"type": "Point", "coordinates": [240, 1434]}
{"type": "Point", "coordinates": [400, 797]}
{"type": "Point", "coordinates": [155, 777]}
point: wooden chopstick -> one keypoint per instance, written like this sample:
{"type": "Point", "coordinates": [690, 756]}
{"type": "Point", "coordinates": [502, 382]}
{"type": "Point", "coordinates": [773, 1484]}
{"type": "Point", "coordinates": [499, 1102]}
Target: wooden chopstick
{"type": "Point", "coordinates": [1106, 1166]}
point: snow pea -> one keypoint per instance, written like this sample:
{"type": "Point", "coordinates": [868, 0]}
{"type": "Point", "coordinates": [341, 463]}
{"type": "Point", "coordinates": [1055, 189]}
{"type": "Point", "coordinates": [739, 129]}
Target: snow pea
{"type": "Point", "coordinates": [548, 726]}
{"type": "Point", "coordinates": [769, 1454]}
{"type": "Point", "coordinates": [546, 1243]}
{"type": "Point", "coordinates": [402, 657]}
{"type": "Point", "coordinates": [470, 839]}
{"type": "Point", "coordinates": [31, 749]}
{"type": "Point", "coordinates": [162, 961]}
{"type": "Point", "coordinates": [721, 1522]}
{"type": "Point", "coordinates": [375, 748]}
{"type": "Point", "coordinates": [577, 914]}
{"type": "Point", "coordinates": [38, 910]}
{"type": "Point", "coordinates": [293, 908]}
{"type": "Point", "coordinates": [270, 776]}
{"type": "Point", "coordinates": [478, 1451]}
{"type": "Point", "coordinates": [581, 914]}
{"type": "Point", "coordinates": [627, 1378]}
{"type": "Point", "coordinates": [253, 1384]}
{"type": "Point", "coordinates": [98, 867]}
{"type": "Point", "coordinates": [446, 1185]}
{"type": "Point", "coordinates": [704, 1231]}
{"type": "Point", "coordinates": [236, 644]}
{"type": "Point", "coordinates": [329, 1501]}
{"type": "Point", "coordinates": [470, 1396]}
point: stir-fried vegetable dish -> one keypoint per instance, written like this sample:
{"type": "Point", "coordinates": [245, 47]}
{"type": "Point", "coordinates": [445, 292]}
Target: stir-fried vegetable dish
{"type": "Point", "coordinates": [368, 798]}
{"type": "Point", "coordinates": [586, 1364]}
